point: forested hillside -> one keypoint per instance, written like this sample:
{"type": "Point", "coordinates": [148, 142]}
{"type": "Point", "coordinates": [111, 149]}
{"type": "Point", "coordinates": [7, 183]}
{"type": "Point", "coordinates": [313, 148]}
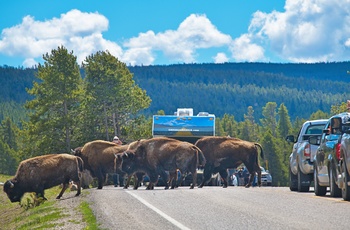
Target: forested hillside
{"type": "Point", "coordinates": [216, 88]}
{"type": "Point", "coordinates": [232, 87]}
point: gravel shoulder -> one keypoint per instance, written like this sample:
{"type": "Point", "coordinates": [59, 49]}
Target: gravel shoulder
{"type": "Point", "coordinates": [69, 204]}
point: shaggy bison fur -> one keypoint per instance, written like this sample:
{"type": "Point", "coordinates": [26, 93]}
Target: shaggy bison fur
{"type": "Point", "coordinates": [159, 155]}
{"type": "Point", "coordinates": [98, 157]}
{"type": "Point", "coordinates": [42, 172]}
{"type": "Point", "coordinates": [222, 153]}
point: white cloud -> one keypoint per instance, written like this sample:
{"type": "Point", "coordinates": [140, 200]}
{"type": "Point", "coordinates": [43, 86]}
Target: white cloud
{"type": "Point", "coordinates": [221, 58]}
{"type": "Point", "coordinates": [30, 62]}
{"type": "Point", "coordinates": [82, 33]}
{"type": "Point", "coordinates": [138, 56]}
{"type": "Point", "coordinates": [195, 32]}
{"type": "Point", "coordinates": [307, 31]}
{"type": "Point", "coordinates": [77, 31]}
{"type": "Point", "coordinates": [243, 49]}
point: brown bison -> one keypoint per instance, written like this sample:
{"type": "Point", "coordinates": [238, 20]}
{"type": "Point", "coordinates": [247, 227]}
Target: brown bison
{"type": "Point", "coordinates": [158, 155]}
{"type": "Point", "coordinates": [222, 153]}
{"type": "Point", "coordinates": [98, 157]}
{"type": "Point", "coordinates": [39, 173]}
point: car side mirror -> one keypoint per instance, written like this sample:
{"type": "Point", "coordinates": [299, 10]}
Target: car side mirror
{"type": "Point", "coordinates": [290, 138]}
{"type": "Point", "coordinates": [336, 125]}
{"type": "Point", "coordinates": [315, 140]}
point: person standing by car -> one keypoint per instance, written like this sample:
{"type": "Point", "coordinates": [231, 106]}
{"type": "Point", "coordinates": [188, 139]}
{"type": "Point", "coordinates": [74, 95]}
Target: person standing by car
{"type": "Point", "coordinates": [117, 179]}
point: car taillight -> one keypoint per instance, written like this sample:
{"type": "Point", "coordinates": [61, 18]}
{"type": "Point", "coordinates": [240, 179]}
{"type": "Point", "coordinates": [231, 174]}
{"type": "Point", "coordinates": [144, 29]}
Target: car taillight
{"type": "Point", "coordinates": [337, 151]}
{"type": "Point", "coordinates": [307, 150]}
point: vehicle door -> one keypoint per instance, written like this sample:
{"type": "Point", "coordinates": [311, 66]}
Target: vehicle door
{"type": "Point", "coordinates": [325, 151]}
{"type": "Point", "coordinates": [293, 156]}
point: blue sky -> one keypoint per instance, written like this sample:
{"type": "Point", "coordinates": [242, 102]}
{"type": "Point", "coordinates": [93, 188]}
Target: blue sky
{"type": "Point", "coordinates": [167, 32]}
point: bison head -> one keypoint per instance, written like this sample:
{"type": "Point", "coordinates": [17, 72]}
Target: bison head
{"type": "Point", "coordinates": [128, 162]}
{"type": "Point", "coordinates": [12, 190]}
{"type": "Point", "coordinates": [77, 151]}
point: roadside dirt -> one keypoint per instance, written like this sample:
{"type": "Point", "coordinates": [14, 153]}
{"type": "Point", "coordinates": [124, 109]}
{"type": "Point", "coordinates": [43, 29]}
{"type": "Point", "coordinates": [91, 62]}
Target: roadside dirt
{"type": "Point", "coordinates": [69, 204]}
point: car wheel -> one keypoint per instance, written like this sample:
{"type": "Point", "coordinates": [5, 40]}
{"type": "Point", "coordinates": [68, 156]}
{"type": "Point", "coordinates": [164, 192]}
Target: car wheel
{"type": "Point", "coordinates": [293, 181]}
{"type": "Point", "coordinates": [346, 187]}
{"type": "Point", "coordinates": [333, 187]}
{"type": "Point", "coordinates": [319, 190]}
{"type": "Point", "coordinates": [302, 177]}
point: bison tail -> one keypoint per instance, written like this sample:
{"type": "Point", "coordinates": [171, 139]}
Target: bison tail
{"type": "Point", "coordinates": [200, 156]}
{"type": "Point", "coordinates": [261, 150]}
{"type": "Point", "coordinates": [80, 164]}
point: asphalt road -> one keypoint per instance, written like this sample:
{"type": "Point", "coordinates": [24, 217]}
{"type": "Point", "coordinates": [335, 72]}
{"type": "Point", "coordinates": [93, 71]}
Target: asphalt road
{"type": "Point", "coordinates": [217, 208]}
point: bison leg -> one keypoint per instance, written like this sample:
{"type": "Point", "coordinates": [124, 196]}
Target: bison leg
{"type": "Point", "coordinates": [251, 179]}
{"type": "Point", "coordinates": [128, 182]}
{"type": "Point", "coordinates": [207, 172]}
{"type": "Point", "coordinates": [64, 187]}
{"type": "Point", "coordinates": [165, 177]}
{"type": "Point", "coordinates": [41, 194]}
{"type": "Point", "coordinates": [101, 177]}
{"type": "Point", "coordinates": [259, 177]}
{"type": "Point", "coordinates": [153, 179]}
{"type": "Point", "coordinates": [223, 174]}
{"type": "Point", "coordinates": [194, 179]}
{"type": "Point", "coordinates": [173, 179]}
{"type": "Point", "coordinates": [79, 188]}
{"type": "Point", "coordinates": [138, 178]}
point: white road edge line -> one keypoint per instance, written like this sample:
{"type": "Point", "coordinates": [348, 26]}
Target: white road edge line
{"type": "Point", "coordinates": [165, 216]}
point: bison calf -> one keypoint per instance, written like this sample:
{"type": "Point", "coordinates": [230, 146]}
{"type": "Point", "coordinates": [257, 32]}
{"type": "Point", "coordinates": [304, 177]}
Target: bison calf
{"type": "Point", "coordinates": [39, 173]}
{"type": "Point", "coordinates": [222, 153]}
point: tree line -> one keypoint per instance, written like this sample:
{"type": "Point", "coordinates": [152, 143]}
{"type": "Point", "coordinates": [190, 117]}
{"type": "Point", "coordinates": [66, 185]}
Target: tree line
{"type": "Point", "coordinates": [68, 105]}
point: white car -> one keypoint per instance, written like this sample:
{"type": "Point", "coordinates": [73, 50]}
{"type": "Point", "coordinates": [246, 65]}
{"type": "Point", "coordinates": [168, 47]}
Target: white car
{"type": "Point", "coordinates": [266, 178]}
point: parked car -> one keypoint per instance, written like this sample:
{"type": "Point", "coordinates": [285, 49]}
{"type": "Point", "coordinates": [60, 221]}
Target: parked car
{"type": "Point", "coordinates": [344, 169]}
{"type": "Point", "coordinates": [266, 178]}
{"type": "Point", "coordinates": [301, 160]}
{"type": "Point", "coordinates": [329, 159]}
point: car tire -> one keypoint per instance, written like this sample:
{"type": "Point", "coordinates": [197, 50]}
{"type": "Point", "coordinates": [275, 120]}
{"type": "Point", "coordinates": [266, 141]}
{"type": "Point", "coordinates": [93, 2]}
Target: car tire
{"type": "Point", "coordinates": [293, 181]}
{"type": "Point", "coordinates": [333, 187]}
{"type": "Point", "coordinates": [319, 190]}
{"type": "Point", "coordinates": [346, 188]}
{"type": "Point", "coordinates": [302, 177]}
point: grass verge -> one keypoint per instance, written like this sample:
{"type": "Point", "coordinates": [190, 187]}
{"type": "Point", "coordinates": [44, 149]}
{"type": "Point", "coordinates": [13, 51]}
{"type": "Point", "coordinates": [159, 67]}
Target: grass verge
{"type": "Point", "coordinates": [48, 215]}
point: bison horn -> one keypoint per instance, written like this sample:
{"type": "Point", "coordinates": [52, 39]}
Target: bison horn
{"type": "Point", "coordinates": [11, 184]}
{"type": "Point", "coordinates": [72, 151]}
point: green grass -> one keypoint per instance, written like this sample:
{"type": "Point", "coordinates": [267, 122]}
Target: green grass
{"type": "Point", "coordinates": [45, 216]}
{"type": "Point", "coordinates": [88, 216]}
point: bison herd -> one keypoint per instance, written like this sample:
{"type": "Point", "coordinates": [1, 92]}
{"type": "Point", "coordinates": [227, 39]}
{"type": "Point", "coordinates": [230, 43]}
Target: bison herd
{"type": "Point", "coordinates": [155, 157]}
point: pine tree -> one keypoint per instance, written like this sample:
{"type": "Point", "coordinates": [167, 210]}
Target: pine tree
{"type": "Point", "coordinates": [53, 111]}
{"type": "Point", "coordinates": [269, 120]}
{"type": "Point", "coordinates": [249, 130]}
{"type": "Point", "coordinates": [274, 159]}
{"type": "Point", "coordinates": [284, 125]}
{"type": "Point", "coordinates": [112, 98]}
